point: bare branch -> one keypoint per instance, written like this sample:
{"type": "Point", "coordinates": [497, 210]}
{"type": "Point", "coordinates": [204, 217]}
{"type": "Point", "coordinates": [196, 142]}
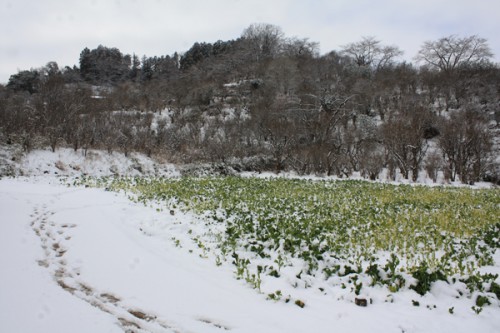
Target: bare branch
{"type": "Point", "coordinates": [449, 53]}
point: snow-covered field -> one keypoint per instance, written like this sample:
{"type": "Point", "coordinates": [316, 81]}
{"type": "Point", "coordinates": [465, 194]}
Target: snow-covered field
{"type": "Point", "coordinates": [77, 259]}
{"type": "Point", "coordinates": [87, 260]}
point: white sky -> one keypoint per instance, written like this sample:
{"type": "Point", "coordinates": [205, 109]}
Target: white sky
{"type": "Point", "coordinates": [34, 32]}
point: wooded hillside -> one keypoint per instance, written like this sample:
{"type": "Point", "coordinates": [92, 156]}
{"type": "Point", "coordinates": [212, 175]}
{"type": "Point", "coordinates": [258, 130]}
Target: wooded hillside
{"type": "Point", "coordinates": [266, 101]}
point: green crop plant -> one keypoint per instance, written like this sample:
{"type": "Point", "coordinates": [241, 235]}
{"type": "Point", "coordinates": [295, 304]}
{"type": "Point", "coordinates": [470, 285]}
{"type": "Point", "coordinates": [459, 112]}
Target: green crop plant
{"type": "Point", "coordinates": [425, 277]}
{"type": "Point", "coordinates": [335, 229]}
{"type": "Point", "coordinates": [276, 296]}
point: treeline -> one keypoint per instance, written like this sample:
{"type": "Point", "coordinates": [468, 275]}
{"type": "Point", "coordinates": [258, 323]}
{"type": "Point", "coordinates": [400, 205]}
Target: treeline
{"type": "Point", "coordinates": [268, 102]}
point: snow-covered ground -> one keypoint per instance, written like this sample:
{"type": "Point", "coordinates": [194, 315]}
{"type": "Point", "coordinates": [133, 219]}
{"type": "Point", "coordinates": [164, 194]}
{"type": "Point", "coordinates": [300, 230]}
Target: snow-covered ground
{"type": "Point", "coordinates": [67, 162]}
{"type": "Point", "coordinates": [87, 260]}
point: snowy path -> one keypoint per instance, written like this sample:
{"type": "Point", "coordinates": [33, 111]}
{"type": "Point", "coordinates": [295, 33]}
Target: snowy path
{"type": "Point", "coordinates": [86, 260]}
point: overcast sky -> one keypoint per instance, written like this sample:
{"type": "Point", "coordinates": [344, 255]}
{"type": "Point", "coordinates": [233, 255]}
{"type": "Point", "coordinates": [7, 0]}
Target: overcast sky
{"type": "Point", "coordinates": [34, 32]}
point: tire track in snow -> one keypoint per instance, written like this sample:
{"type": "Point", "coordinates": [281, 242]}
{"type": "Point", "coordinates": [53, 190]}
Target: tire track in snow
{"type": "Point", "coordinates": [54, 238]}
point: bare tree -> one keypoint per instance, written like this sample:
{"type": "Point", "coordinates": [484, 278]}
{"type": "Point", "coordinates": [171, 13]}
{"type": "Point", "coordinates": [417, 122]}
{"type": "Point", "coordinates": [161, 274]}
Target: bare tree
{"type": "Point", "coordinates": [265, 39]}
{"type": "Point", "coordinates": [275, 128]}
{"type": "Point", "coordinates": [449, 53]}
{"type": "Point", "coordinates": [296, 47]}
{"type": "Point", "coordinates": [59, 106]}
{"type": "Point", "coordinates": [321, 130]}
{"type": "Point", "coordinates": [433, 164]}
{"type": "Point", "coordinates": [466, 143]}
{"type": "Point", "coordinates": [369, 52]}
{"type": "Point", "coordinates": [403, 137]}
{"type": "Point", "coordinates": [20, 120]}
{"type": "Point", "coordinates": [361, 143]}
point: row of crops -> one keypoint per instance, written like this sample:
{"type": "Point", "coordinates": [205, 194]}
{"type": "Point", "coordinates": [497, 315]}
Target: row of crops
{"type": "Point", "coordinates": [351, 233]}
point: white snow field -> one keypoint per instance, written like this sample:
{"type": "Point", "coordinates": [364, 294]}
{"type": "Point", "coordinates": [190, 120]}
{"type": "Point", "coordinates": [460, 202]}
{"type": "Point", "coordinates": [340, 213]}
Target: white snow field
{"type": "Point", "coordinates": [86, 260]}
